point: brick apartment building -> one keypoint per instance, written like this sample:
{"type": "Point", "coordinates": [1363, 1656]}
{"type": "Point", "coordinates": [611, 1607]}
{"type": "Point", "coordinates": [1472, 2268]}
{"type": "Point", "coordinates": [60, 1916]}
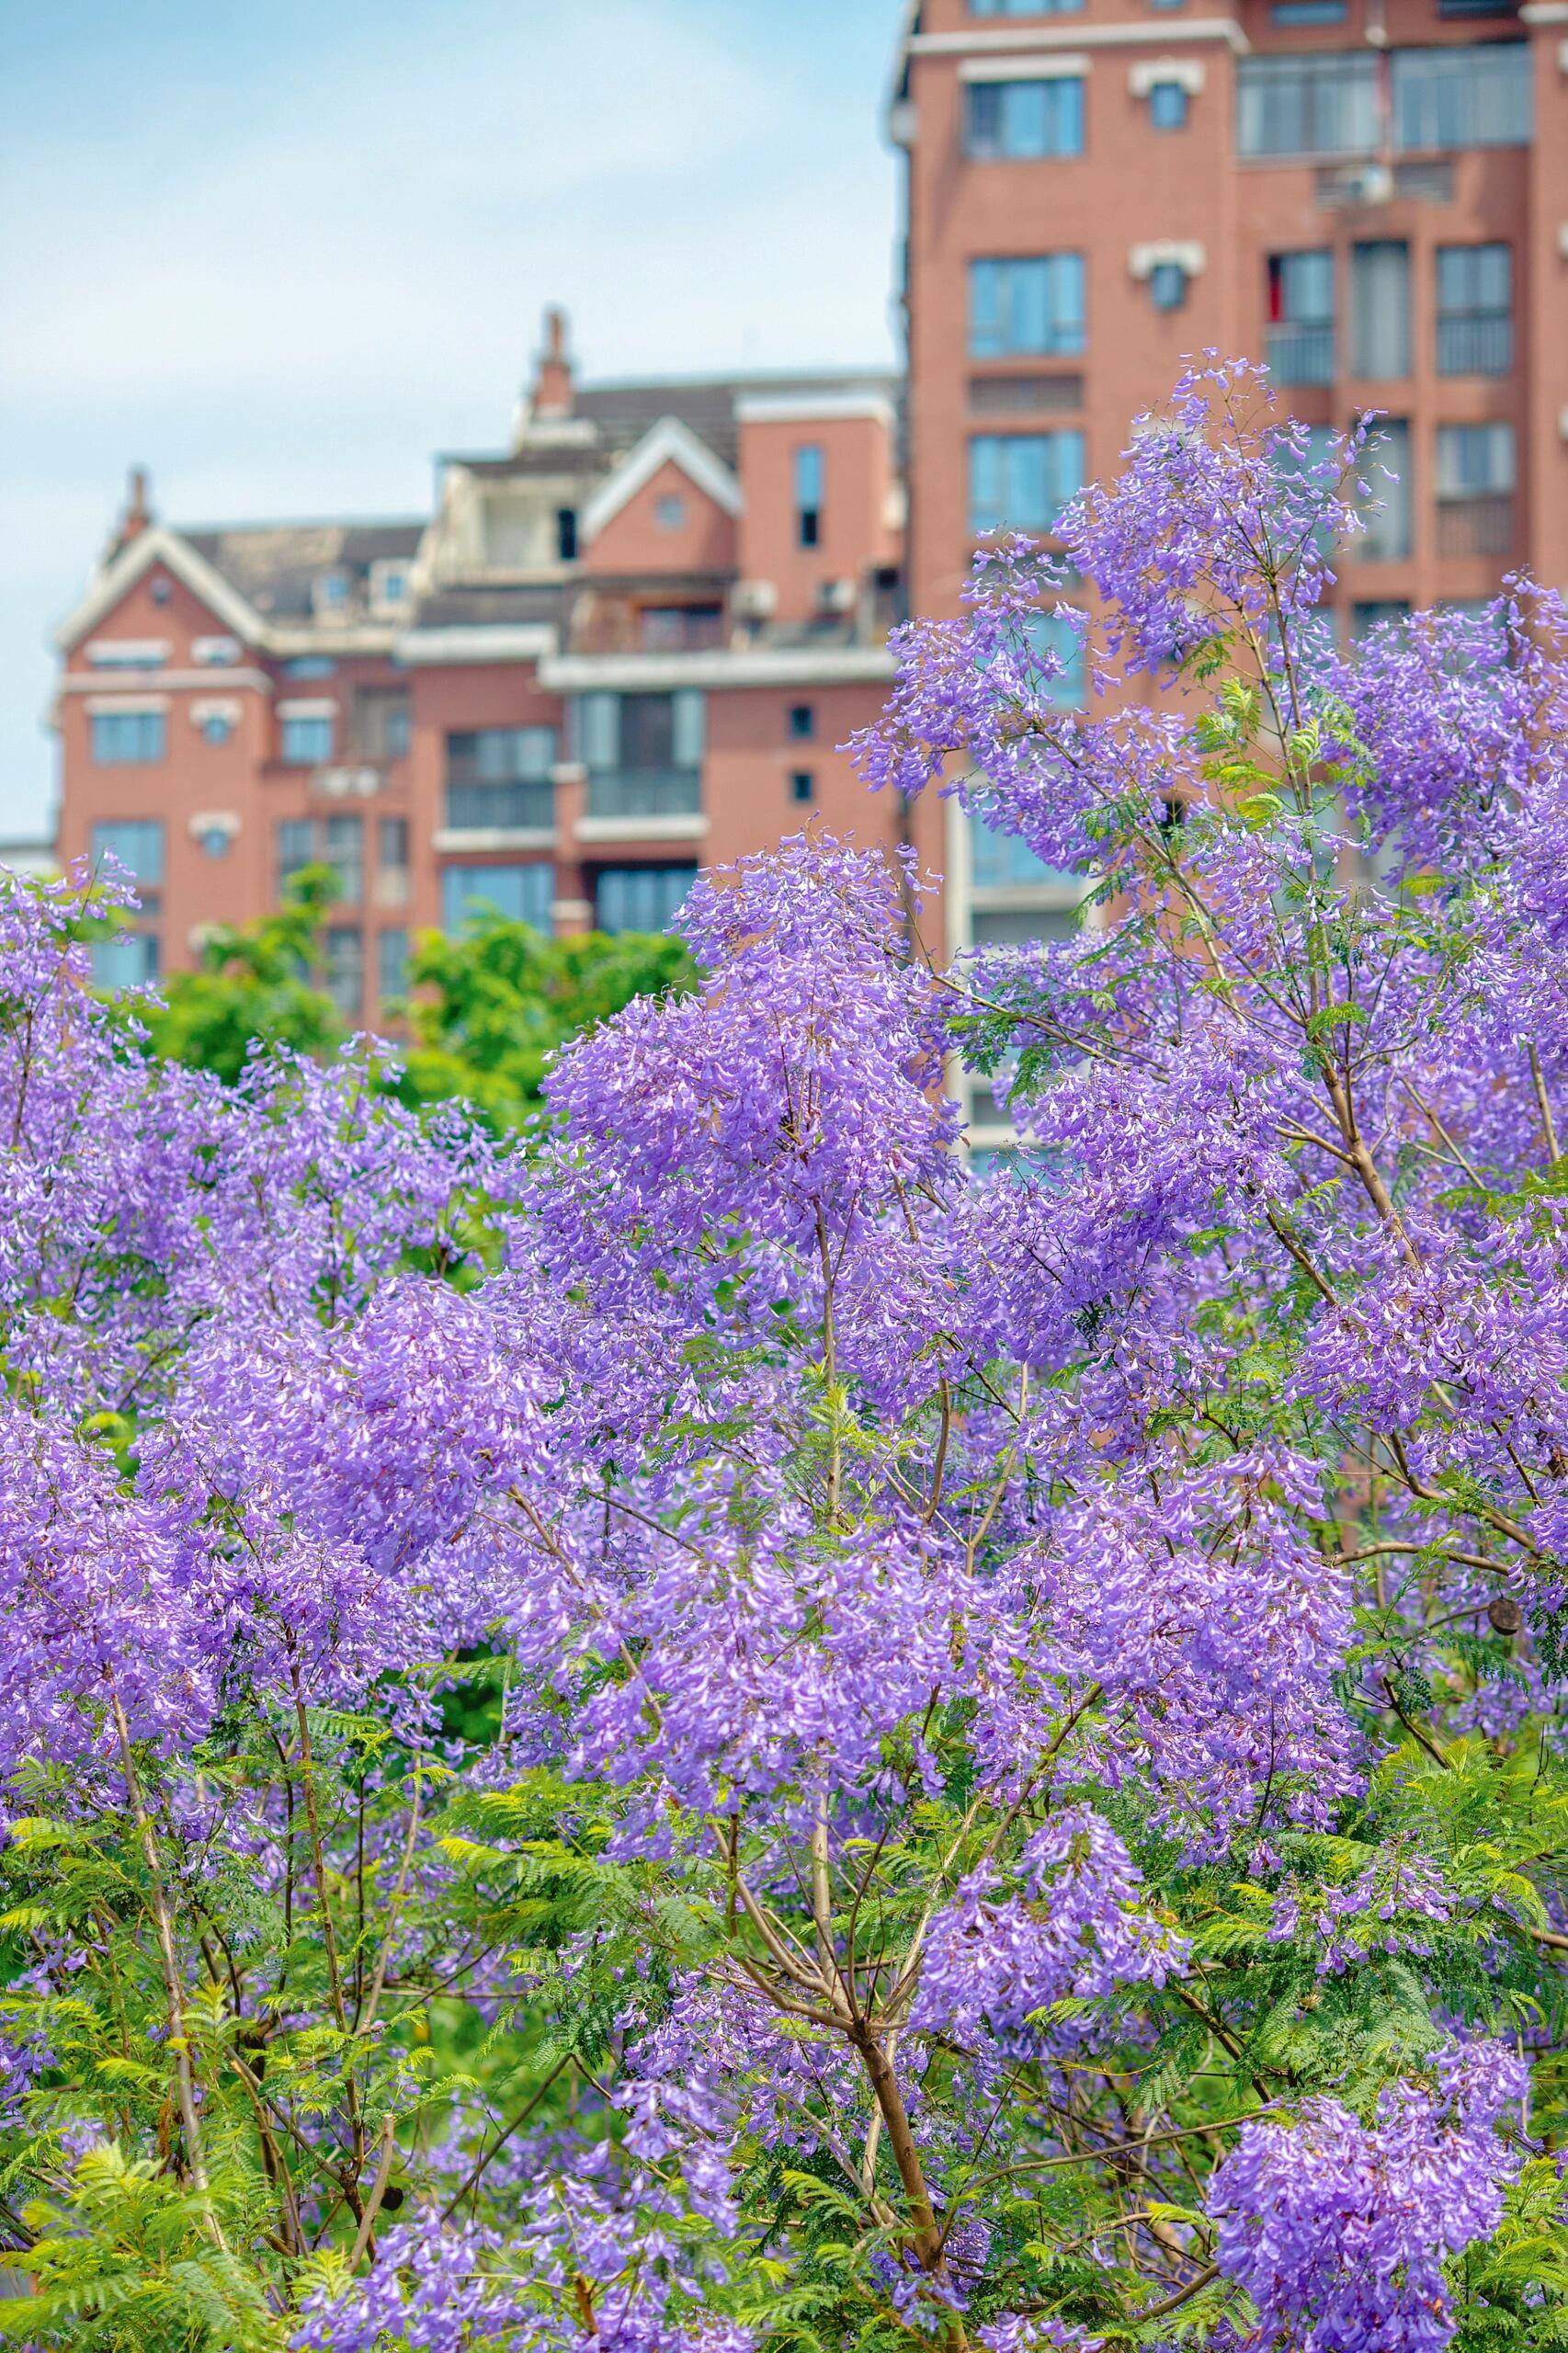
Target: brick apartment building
{"type": "Point", "coordinates": [1372, 195]}
{"type": "Point", "coordinates": [628, 645]}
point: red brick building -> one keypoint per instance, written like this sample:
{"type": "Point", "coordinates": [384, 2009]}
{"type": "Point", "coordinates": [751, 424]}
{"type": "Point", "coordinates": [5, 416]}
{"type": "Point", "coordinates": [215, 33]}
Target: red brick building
{"type": "Point", "coordinates": [628, 645]}
{"type": "Point", "coordinates": [1372, 195]}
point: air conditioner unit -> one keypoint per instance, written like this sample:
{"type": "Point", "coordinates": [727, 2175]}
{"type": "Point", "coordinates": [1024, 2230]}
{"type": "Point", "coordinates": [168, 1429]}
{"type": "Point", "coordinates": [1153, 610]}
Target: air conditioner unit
{"type": "Point", "coordinates": [754, 600]}
{"type": "Point", "coordinates": [1367, 184]}
{"type": "Point", "coordinates": [836, 596]}
{"type": "Point", "coordinates": [348, 784]}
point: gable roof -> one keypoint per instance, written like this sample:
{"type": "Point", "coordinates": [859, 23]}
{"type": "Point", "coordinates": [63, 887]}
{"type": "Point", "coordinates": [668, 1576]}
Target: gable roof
{"type": "Point", "coordinates": [669, 442]}
{"type": "Point", "coordinates": [160, 545]}
{"type": "Point", "coordinates": [250, 576]}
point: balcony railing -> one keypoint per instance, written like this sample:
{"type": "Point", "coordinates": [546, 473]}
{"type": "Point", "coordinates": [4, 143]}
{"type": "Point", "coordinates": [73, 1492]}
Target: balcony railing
{"type": "Point", "coordinates": [1482, 525]}
{"type": "Point", "coordinates": [644, 792]}
{"type": "Point", "coordinates": [1302, 355]}
{"type": "Point", "coordinates": [516, 807]}
{"type": "Point", "coordinates": [1475, 343]}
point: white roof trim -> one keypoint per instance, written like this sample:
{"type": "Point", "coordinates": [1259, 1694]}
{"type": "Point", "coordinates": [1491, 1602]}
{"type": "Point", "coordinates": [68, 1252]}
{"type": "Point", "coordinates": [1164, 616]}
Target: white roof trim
{"type": "Point", "coordinates": [97, 704]}
{"type": "Point", "coordinates": [803, 408]}
{"type": "Point", "coordinates": [161, 545]}
{"type": "Point", "coordinates": [1060, 66]}
{"type": "Point", "coordinates": [476, 641]}
{"type": "Point", "coordinates": [1078, 35]}
{"type": "Point", "coordinates": [769, 665]}
{"type": "Point", "coordinates": [669, 442]}
{"type": "Point", "coordinates": [128, 653]}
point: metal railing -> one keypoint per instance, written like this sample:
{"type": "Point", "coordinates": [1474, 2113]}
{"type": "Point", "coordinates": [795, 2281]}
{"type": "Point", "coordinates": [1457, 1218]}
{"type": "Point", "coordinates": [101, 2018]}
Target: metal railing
{"type": "Point", "coordinates": [1475, 343]}
{"type": "Point", "coordinates": [644, 792]}
{"type": "Point", "coordinates": [1302, 355]}
{"type": "Point", "coordinates": [528, 806]}
{"type": "Point", "coordinates": [1479, 526]}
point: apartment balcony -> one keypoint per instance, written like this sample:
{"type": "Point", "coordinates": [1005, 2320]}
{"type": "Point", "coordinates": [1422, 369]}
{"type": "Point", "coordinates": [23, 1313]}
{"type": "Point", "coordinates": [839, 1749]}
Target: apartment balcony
{"type": "Point", "coordinates": [1482, 526]}
{"type": "Point", "coordinates": [526, 806]}
{"type": "Point", "coordinates": [1480, 344]}
{"type": "Point", "coordinates": [1302, 355]}
{"type": "Point", "coordinates": [643, 805]}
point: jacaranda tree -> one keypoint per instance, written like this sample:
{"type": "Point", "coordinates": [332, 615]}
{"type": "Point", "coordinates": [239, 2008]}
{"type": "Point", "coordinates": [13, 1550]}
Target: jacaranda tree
{"type": "Point", "coordinates": [714, 1730]}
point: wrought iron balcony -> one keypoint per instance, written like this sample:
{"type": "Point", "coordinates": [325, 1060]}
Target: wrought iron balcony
{"type": "Point", "coordinates": [517, 807]}
{"type": "Point", "coordinates": [644, 792]}
{"type": "Point", "coordinates": [1302, 355]}
{"type": "Point", "coordinates": [1475, 343]}
{"type": "Point", "coordinates": [1480, 526]}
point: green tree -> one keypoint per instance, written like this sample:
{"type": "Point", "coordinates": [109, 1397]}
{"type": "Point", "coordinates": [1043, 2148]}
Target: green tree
{"type": "Point", "coordinates": [253, 982]}
{"type": "Point", "coordinates": [498, 1000]}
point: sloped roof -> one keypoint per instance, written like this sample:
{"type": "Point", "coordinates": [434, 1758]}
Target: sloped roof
{"type": "Point", "coordinates": [274, 565]}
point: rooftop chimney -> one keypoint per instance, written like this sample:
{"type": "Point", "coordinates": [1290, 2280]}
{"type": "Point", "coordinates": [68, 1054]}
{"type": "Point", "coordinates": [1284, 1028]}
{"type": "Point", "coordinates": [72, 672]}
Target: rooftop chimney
{"type": "Point", "coordinates": [137, 516]}
{"type": "Point", "coordinates": [552, 370]}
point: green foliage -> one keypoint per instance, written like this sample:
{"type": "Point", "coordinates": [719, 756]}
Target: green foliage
{"type": "Point", "coordinates": [495, 1003]}
{"type": "Point", "coordinates": [253, 982]}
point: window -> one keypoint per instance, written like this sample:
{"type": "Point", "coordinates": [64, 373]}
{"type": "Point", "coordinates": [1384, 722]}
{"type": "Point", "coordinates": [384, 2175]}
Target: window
{"type": "Point", "coordinates": [1380, 308]}
{"type": "Point", "coordinates": [389, 585]}
{"type": "Point", "coordinates": [643, 753]}
{"type": "Point", "coordinates": [1023, 7]}
{"type": "Point", "coordinates": [1168, 285]}
{"type": "Point", "coordinates": [1300, 316]}
{"type": "Point", "coordinates": [128, 960]}
{"type": "Point", "coordinates": [381, 723]}
{"type": "Point", "coordinates": [1032, 304]}
{"type": "Point", "coordinates": [329, 592]}
{"type": "Point", "coordinates": [215, 841]}
{"type": "Point", "coordinates": [128, 738]}
{"type": "Point", "coordinates": [307, 740]}
{"type": "Point", "coordinates": [641, 898]}
{"type": "Point", "coordinates": [803, 721]}
{"type": "Point", "coordinates": [337, 842]}
{"type": "Point", "coordinates": [802, 785]}
{"type": "Point", "coordinates": [138, 845]}
{"type": "Point", "coordinates": [392, 963]}
{"type": "Point", "coordinates": [1168, 106]}
{"type": "Point", "coordinates": [1021, 481]}
{"type": "Point", "coordinates": [344, 969]}
{"type": "Point", "coordinates": [1020, 121]}
{"type": "Point", "coordinates": [305, 666]}
{"type": "Point", "coordinates": [501, 776]}
{"type": "Point", "coordinates": [669, 512]}
{"type": "Point", "coordinates": [1474, 95]}
{"type": "Point", "coordinates": [1061, 642]}
{"type": "Point", "coordinates": [566, 534]}
{"type": "Point", "coordinates": [215, 653]}
{"type": "Point", "coordinates": [217, 727]}
{"type": "Point", "coordinates": [1310, 12]}
{"type": "Point", "coordinates": [809, 479]}
{"type": "Point", "coordinates": [1474, 461]}
{"type": "Point", "coordinates": [391, 844]}
{"type": "Point", "coordinates": [1475, 309]}
{"type": "Point", "coordinates": [1323, 105]}
{"type": "Point", "coordinates": [1387, 512]}
{"type": "Point", "coordinates": [517, 893]}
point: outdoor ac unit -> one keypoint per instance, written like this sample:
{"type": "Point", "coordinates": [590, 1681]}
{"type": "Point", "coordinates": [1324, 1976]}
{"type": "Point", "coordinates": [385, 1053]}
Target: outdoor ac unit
{"type": "Point", "coordinates": [836, 596]}
{"type": "Point", "coordinates": [1368, 184]}
{"type": "Point", "coordinates": [756, 600]}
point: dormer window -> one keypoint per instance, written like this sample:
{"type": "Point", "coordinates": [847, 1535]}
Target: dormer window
{"type": "Point", "coordinates": [329, 592]}
{"type": "Point", "coordinates": [389, 585]}
{"type": "Point", "coordinates": [566, 534]}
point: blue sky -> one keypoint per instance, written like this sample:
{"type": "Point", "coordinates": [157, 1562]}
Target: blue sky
{"type": "Point", "coordinates": [282, 254]}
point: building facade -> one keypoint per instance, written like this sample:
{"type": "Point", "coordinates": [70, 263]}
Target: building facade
{"type": "Point", "coordinates": [1371, 194]}
{"type": "Point", "coordinates": [631, 644]}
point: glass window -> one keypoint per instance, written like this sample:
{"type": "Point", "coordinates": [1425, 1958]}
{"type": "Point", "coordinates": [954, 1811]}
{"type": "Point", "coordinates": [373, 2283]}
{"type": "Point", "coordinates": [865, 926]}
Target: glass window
{"type": "Point", "coordinates": [344, 973]}
{"type": "Point", "coordinates": [1323, 105]}
{"type": "Point", "coordinates": [1474, 461]}
{"type": "Point", "coordinates": [217, 727]}
{"type": "Point", "coordinates": [1004, 121]}
{"type": "Point", "coordinates": [1475, 309]}
{"type": "Point", "coordinates": [669, 512]}
{"type": "Point", "coordinates": [1052, 635]}
{"type": "Point", "coordinates": [128, 960]}
{"type": "Point", "coordinates": [802, 785]}
{"type": "Point", "coordinates": [306, 666]}
{"type": "Point", "coordinates": [519, 894]}
{"type": "Point", "coordinates": [1310, 12]}
{"type": "Point", "coordinates": [1021, 481]}
{"type": "Point", "coordinates": [1387, 512]}
{"type": "Point", "coordinates": [566, 534]}
{"type": "Point", "coordinates": [1369, 612]}
{"type": "Point", "coordinates": [215, 841]}
{"type": "Point", "coordinates": [307, 742]}
{"type": "Point", "coordinates": [392, 963]}
{"type": "Point", "coordinates": [1023, 7]}
{"type": "Point", "coordinates": [295, 840]}
{"type": "Point", "coordinates": [330, 591]}
{"type": "Point", "coordinates": [127, 738]}
{"type": "Point", "coordinates": [641, 898]}
{"type": "Point", "coordinates": [1300, 316]}
{"type": "Point", "coordinates": [803, 721]}
{"type": "Point", "coordinates": [1168, 106]}
{"type": "Point", "coordinates": [596, 722]}
{"type": "Point", "coordinates": [343, 847]}
{"type": "Point", "coordinates": [136, 842]}
{"type": "Point", "coordinates": [1032, 304]}
{"type": "Point", "coordinates": [809, 479]}
{"type": "Point", "coordinates": [1380, 308]}
{"type": "Point", "coordinates": [1001, 862]}
{"type": "Point", "coordinates": [381, 723]}
{"type": "Point", "coordinates": [1477, 94]}
{"type": "Point", "coordinates": [500, 756]}
{"type": "Point", "coordinates": [1168, 285]}
{"type": "Point", "coordinates": [391, 844]}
